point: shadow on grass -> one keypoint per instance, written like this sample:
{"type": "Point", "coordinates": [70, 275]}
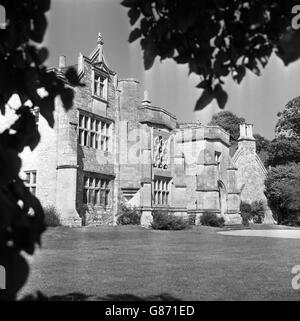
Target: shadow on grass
{"type": "Point", "coordinates": [77, 296]}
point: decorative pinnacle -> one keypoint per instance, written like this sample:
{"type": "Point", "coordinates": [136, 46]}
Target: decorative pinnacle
{"type": "Point", "coordinates": [100, 38]}
{"type": "Point", "coordinates": [146, 100]}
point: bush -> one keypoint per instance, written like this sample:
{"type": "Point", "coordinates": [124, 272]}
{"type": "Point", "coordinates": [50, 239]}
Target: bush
{"type": "Point", "coordinates": [163, 220]}
{"type": "Point", "coordinates": [128, 215]}
{"type": "Point", "coordinates": [293, 219]}
{"type": "Point", "coordinates": [211, 219]}
{"type": "Point", "coordinates": [51, 216]}
{"type": "Point", "coordinates": [246, 214]}
{"type": "Point", "coordinates": [257, 211]}
{"type": "Point", "coordinates": [254, 211]}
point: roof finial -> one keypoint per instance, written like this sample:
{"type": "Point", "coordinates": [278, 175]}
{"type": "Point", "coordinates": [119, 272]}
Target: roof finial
{"type": "Point", "coordinates": [100, 38]}
{"type": "Point", "coordinates": [146, 100]}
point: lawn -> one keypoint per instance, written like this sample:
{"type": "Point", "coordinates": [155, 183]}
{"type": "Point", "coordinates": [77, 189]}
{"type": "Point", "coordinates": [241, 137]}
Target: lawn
{"type": "Point", "coordinates": [127, 262]}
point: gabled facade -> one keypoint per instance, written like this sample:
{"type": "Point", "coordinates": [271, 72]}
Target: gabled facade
{"type": "Point", "coordinates": [114, 146]}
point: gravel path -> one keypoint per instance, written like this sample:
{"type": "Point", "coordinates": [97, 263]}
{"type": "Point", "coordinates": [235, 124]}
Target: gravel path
{"type": "Point", "coordinates": [287, 234]}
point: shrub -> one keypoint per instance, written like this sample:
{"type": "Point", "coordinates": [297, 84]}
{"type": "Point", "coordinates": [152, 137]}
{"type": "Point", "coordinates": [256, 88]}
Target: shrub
{"type": "Point", "coordinates": [128, 215]}
{"type": "Point", "coordinates": [162, 220]}
{"type": "Point", "coordinates": [254, 211]}
{"type": "Point", "coordinates": [257, 211]}
{"type": "Point", "coordinates": [246, 214]}
{"type": "Point", "coordinates": [211, 219]}
{"type": "Point", "coordinates": [293, 219]}
{"type": "Point", "coordinates": [51, 216]}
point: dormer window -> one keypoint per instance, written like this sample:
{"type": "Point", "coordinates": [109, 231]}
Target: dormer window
{"type": "Point", "coordinates": [100, 86]}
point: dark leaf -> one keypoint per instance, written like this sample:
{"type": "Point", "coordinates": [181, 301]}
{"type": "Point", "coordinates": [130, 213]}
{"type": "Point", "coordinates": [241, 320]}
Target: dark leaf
{"type": "Point", "coordinates": [129, 3]}
{"type": "Point", "coordinates": [43, 55]}
{"type": "Point", "coordinates": [150, 53]}
{"type": "Point", "coordinates": [241, 71]}
{"type": "Point", "coordinates": [39, 28]}
{"type": "Point", "coordinates": [135, 34]}
{"type": "Point", "coordinates": [146, 8]}
{"type": "Point", "coordinates": [134, 15]}
{"type": "Point", "coordinates": [67, 98]}
{"type": "Point", "coordinates": [205, 99]}
{"type": "Point", "coordinates": [144, 26]}
{"type": "Point", "coordinates": [72, 77]}
{"type": "Point", "coordinates": [289, 50]}
{"type": "Point", "coordinates": [205, 84]}
{"type": "Point", "coordinates": [47, 109]}
{"type": "Point", "coordinates": [221, 96]}
{"type": "Point", "coordinates": [193, 65]}
{"type": "Point", "coordinates": [182, 59]}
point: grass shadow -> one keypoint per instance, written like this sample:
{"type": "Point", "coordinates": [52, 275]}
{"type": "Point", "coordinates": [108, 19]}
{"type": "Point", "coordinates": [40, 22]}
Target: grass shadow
{"type": "Point", "coordinates": [77, 296]}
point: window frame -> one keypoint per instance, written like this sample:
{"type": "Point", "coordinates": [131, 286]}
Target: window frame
{"type": "Point", "coordinates": [95, 132]}
{"type": "Point", "coordinates": [161, 191]}
{"type": "Point", "coordinates": [31, 183]}
{"type": "Point", "coordinates": [218, 156]}
{"type": "Point", "coordinates": [100, 85]}
{"type": "Point", "coordinates": [97, 190]}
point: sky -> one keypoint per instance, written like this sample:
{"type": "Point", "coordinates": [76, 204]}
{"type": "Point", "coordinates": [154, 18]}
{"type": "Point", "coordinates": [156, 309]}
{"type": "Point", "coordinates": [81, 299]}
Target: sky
{"type": "Point", "coordinates": [73, 26]}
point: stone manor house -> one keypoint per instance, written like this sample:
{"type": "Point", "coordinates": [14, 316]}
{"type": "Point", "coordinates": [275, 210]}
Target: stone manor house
{"type": "Point", "coordinates": [114, 146]}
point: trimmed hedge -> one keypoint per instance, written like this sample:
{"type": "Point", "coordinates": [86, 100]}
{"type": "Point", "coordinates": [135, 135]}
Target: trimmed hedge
{"type": "Point", "coordinates": [163, 220]}
{"type": "Point", "coordinates": [211, 219]}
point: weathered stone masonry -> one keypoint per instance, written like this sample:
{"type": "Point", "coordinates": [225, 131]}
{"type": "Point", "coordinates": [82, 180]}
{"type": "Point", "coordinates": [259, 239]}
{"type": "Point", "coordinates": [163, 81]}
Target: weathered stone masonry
{"type": "Point", "coordinates": [114, 146]}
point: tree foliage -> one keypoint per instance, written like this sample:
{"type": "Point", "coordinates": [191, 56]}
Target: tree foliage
{"type": "Point", "coordinates": [283, 180]}
{"type": "Point", "coordinates": [261, 143]}
{"type": "Point", "coordinates": [229, 122]}
{"type": "Point", "coordinates": [289, 120]}
{"type": "Point", "coordinates": [22, 72]}
{"type": "Point", "coordinates": [262, 148]}
{"type": "Point", "coordinates": [283, 150]}
{"type": "Point", "coordinates": [282, 190]}
{"type": "Point", "coordinates": [216, 38]}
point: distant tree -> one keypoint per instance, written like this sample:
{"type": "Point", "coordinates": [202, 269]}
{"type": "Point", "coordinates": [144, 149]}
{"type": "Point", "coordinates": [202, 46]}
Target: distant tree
{"type": "Point", "coordinates": [283, 150]}
{"type": "Point", "coordinates": [228, 121]}
{"type": "Point", "coordinates": [282, 190]}
{"type": "Point", "coordinates": [262, 145]}
{"type": "Point", "coordinates": [22, 72]}
{"type": "Point", "coordinates": [289, 120]}
{"type": "Point", "coordinates": [216, 38]}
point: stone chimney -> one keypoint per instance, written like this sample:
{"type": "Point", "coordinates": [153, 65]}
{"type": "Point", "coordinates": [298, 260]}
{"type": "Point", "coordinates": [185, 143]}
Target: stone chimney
{"type": "Point", "coordinates": [146, 101]}
{"type": "Point", "coordinates": [246, 132]}
{"type": "Point", "coordinates": [100, 43]}
{"type": "Point", "coordinates": [246, 139]}
{"type": "Point", "coordinates": [62, 62]}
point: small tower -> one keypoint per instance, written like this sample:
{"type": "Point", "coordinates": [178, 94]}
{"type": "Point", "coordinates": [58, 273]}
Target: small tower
{"type": "Point", "coordinates": [100, 43]}
{"type": "Point", "coordinates": [246, 139]}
